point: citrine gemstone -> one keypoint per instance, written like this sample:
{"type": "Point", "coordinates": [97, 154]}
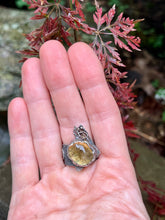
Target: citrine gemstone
{"type": "Point", "coordinates": [80, 153]}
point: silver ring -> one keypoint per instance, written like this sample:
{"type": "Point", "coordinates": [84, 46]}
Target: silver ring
{"type": "Point", "coordinates": [81, 152]}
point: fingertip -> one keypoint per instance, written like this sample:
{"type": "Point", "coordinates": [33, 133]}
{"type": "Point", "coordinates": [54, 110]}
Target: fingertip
{"type": "Point", "coordinates": [54, 64]}
{"type": "Point", "coordinates": [80, 46]}
{"type": "Point", "coordinates": [82, 51]}
{"type": "Point", "coordinates": [17, 117]}
{"type": "Point", "coordinates": [23, 160]}
{"type": "Point", "coordinates": [86, 66]}
{"type": "Point", "coordinates": [15, 107]}
{"type": "Point", "coordinates": [51, 45]}
{"type": "Point", "coordinates": [29, 64]}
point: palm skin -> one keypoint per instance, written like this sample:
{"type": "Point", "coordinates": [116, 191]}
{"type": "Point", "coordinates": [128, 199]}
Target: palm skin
{"type": "Point", "coordinates": [108, 188]}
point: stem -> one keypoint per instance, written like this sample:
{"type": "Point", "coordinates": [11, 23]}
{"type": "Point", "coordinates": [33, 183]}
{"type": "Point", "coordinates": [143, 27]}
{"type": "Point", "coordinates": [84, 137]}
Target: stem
{"type": "Point", "coordinates": [70, 5]}
{"type": "Point", "coordinates": [74, 31]}
{"type": "Point", "coordinates": [75, 36]}
{"type": "Point", "coordinates": [147, 137]}
{"type": "Point", "coordinates": [51, 11]}
{"type": "Point", "coordinates": [107, 27]}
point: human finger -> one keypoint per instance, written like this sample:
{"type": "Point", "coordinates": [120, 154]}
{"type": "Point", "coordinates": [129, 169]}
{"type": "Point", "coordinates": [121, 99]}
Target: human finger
{"type": "Point", "coordinates": [60, 82]}
{"type": "Point", "coordinates": [23, 159]}
{"type": "Point", "coordinates": [101, 108]}
{"type": "Point", "coordinates": [45, 129]}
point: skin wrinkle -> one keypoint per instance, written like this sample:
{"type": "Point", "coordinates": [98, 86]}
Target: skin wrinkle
{"type": "Point", "coordinates": [50, 163]}
{"type": "Point", "coordinates": [90, 85]}
{"type": "Point", "coordinates": [60, 76]}
{"type": "Point", "coordinates": [108, 148]}
{"type": "Point", "coordinates": [73, 117]}
{"type": "Point", "coordinates": [39, 101]}
{"type": "Point", "coordinates": [67, 123]}
{"type": "Point", "coordinates": [115, 206]}
{"type": "Point", "coordinates": [113, 175]}
{"type": "Point", "coordinates": [110, 190]}
{"type": "Point", "coordinates": [20, 158]}
{"type": "Point", "coordinates": [48, 169]}
{"type": "Point", "coordinates": [116, 146]}
{"type": "Point", "coordinates": [62, 215]}
{"type": "Point", "coordinates": [15, 110]}
{"type": "Point", "coordinates": [93, 66]}
{"type": "Point", "coordinates": [78, 105]}
{"type": "Point", "coordinates": [41, 201]}
{"type": "Point", "coordinates": [58, 86]}
{"type": "Point", "coordinates": [92, 204]}
{"type": "Point", "coordinates": [28, 76]}
{"type": "Point", "coordinates": [99, 117]}
{"type": "Point", "coordinates": [43, 135]}
{"type": "Point", "coordinates": [61, 87]}
{"type": "Point", "coordinates": [105, 192]}
{"type": "Point", "coordinates": [23, 184]}
{"type": "Point", "coordinates": [131, 209]}
{"type": "Point", "coordinates": [16, 137]}
{"type": "Point", "coordinates": [72, 215]}
{"type": "Point", "coordinates": [23, 161]}
{"type": "Point", "coordinates": [96, 112]}
{"type": "Point", "coordinates": [89, 80]}
{"type": "Point", "coordinates": [70, 127]}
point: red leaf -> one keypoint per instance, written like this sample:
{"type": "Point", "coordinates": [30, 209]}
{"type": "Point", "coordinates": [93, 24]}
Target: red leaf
{"type": "Point", "coordinates": [98, 19]}
{"type": "Point", "coordinates": [161, 211]}
{"type": "Point", "coordinates": [113, 50]}
{"type": "Point", "coordinates": [121, 44]}
{"type": "Point", "coordinates": [120, 17]}
{"type": "Point", "coordinates": [79, 9]}
{"type": "Point", "coordinates": [110, 15]}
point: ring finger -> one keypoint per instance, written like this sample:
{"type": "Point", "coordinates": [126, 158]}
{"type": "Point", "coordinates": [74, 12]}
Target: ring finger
{"type": "Point", "coordinates": [44, 126]}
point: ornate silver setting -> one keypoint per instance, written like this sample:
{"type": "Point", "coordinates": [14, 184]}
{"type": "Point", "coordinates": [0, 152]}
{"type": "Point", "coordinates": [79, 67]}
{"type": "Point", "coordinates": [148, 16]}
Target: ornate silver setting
{"type": "Point", "coordinates": [82, 151]}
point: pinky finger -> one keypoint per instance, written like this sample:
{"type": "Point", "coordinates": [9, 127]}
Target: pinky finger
{"type": "Point", "coordinates": [23, 159]}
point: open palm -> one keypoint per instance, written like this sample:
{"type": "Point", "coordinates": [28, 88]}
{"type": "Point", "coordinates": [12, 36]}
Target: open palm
{"type": "Point", "coordinates": [43, 187]}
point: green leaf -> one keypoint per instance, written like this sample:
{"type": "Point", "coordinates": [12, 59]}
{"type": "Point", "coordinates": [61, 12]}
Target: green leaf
{"type": "Point", "coordinates": [90, 7]}
{"type": "Point", "coordinates": [163, 116]}
{"type": "Point", "coordinates": [161, 92]}
{"type": "Point", "coordinates": [160, 95]}
{"type": "Point", "coordinates": [155, 83]}
{"type": "Point", "coordinates": [20, 3]}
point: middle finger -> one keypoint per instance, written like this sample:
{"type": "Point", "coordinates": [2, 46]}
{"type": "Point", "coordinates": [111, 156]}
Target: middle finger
{"type": "Point", "coordinates": [60, 82]}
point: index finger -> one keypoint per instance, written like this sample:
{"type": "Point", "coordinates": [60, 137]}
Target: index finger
{"type": "Point", "coordinates": [101, 108]}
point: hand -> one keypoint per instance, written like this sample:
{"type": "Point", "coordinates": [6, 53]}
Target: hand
{"type": "Point", "coordinates": [43, 187]}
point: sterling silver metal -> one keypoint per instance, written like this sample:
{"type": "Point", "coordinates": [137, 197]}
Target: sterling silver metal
{"type": "Point", "coordinates": [81, 152]}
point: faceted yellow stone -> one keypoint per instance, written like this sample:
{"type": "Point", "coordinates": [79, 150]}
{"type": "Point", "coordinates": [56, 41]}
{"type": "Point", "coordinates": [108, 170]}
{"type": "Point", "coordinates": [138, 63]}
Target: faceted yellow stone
{"type": "Point", "coordinates": [80, 153]}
